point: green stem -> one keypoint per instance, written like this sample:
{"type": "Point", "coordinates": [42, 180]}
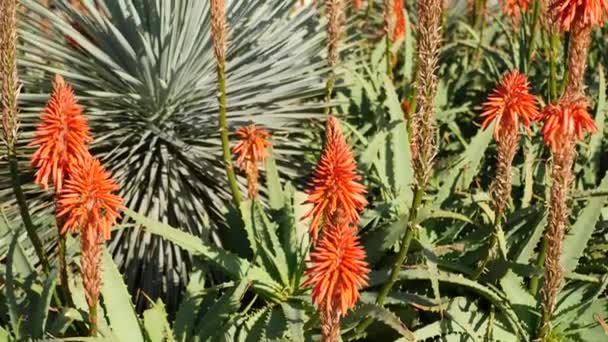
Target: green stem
{"type": "Point", "coordinates": [535, 22]}
{"type": "Point", "coordinates": [368, 12]}
{"type": "Point", "coordinates": [401, 256]}
{"type": "Point", "coordinates": [480, 24]}
{"type": "Point", "coordinates": [540, 261]}
{"type": "Point", "coordinates": [63, 272]}
{"type": "Point", "coordinates": [329, 88]}
{"type": "Point", "coordinates": [93, 321]}
{"type": "Point", "coordinates": [491, 247]}
{"type": "Point", "coordinates": [554, 42]}
{"type": "Point", "coordinates": [223, 125]}
{"type": "Point", "coordinates": [25, 213]}
{"type": "Point", "coordinates": [389, 67]}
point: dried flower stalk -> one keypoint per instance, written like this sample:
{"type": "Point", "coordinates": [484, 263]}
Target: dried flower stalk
{"type": "Point", "coordinates": [335, 17]}
{"type": "Point", "coordinates": [577, 61]}
{"type": "Point", "coordinates": [8, 72]}
{"type": "Point", "coordinates": [219, 30]}
{"type": "Point", "coordinates": [562, 177]}
{"type": "Point", "coordinates": [10, 114]}
{"type": "Point", "coordinates": [429, 40]}
{"type": "Point", "coordinates": [501, 188]}
{"type": "Point", "coordinates": [90, 264]}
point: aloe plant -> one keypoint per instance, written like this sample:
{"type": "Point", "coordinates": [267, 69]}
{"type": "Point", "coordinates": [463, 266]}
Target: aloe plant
{"type": "Point", "coordinates": [145, 73]}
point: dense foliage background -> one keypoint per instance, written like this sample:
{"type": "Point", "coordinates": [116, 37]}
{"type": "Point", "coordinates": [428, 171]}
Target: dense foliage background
{"type": "Point", "coordinates": [187, 265]}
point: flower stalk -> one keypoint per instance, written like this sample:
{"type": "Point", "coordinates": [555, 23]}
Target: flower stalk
{"type": "Point", "coordinates": [423, 148]}
{"type": "Point", "coordinates": [337, 269]}
{"type": "Point", "coordinates": [335, 16]}
{"type": "Point", "coordinates": [508, 105]}
{"type": "Point", "coordinates": [219, 32]}
{"type": "Point", "coordinates": [10, 116]}
{"type": "Point", "coordinates": [561, 174]}
{"type": "Point", "coordinates": [88, 203]}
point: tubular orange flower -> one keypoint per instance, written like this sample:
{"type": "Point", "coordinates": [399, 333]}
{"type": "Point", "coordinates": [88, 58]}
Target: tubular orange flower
{"type": "Point", "coordinates": [62, 137]}
{"type": "Point", "coordinates": [337, 270]}
{"type": "Point", "coordinates": [252, 145]}
{"type": "Point", "coordinates": [512, 8]}
{"type": "Point", "coordinates": [566, 121]}
{"type": "Point", "coordinates": [509, 103]}
{"type": "Point", "coordinates": [335, 184]}
{"type": "Point", "coordinates": [584, 13]}
{"type": "Point", "coordinates": [87, 200]}
{"type": "Point", "coordinates": [250, 150]}
{"type": "Point", "coordinates": [399, 30]}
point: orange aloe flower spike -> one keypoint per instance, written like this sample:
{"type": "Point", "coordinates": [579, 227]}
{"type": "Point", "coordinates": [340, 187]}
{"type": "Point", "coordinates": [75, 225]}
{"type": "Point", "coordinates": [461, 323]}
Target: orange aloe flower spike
{"type": "Point", "coordinates": [335, 183]}
{"type": "Point", "coordinates": [61, 137]}
{"type": "Point", "coordinates": [509, 104]}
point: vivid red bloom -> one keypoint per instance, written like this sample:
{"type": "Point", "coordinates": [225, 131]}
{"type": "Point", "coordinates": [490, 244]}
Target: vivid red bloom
{"type": "Point", "coordinates": [62, 137]}
{"type": "Point", "coordinates": [399, 31]}
{"type": "Point", "coordinates": [337, 270]}
{"type": "Point", "coordinates": [358, 4]}
{"type": "Point", "coordinates": [564, 122]}
{"type": "Point", "coordinates": [570, 13]}
{"type": "Point", "coordinates": [251, 148]}
{"type": "Point", "coordinates": [335, 183]}
{"type": "Point", "coordinates": [509, 103]}
{"type": "Point", "coordinates": [87, 201]}
{"type": "Point", "coordinates": [512, 8]}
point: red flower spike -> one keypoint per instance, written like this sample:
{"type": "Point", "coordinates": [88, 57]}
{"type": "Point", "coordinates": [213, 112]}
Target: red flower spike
{"type": "Point", "coordinates": [399, 30]}
{"type": "Point", "coordinates": [358, 4]}
{"type": "Point", "coordinates": [251, 148]}
{"type": "Point", "coordinates": [566, 121]}
{"type": "Point", "coordinates": [335, 183]}
{"type": "Point", "coordinates": [61, 137]}
{"type": "Point", "coordinates": [337, 270]}
{"type": "Point", "coordinates": [87, 201]}
{"type": "Point", "coordinates": [510, 103]}
{"type": "Point", "coordinates": [584, 13]}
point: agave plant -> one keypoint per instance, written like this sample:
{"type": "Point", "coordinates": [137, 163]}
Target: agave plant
{"type": "Point", "coordinates": [146, 75]}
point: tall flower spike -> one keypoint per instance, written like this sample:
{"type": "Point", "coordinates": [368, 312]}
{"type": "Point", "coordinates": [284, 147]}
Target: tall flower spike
{"type": "Point", "coordinates": [251, 150]}
{"type": "Point", "coordinates": [335, 14]}
{"type": "Point", "coordinates": [337, 271]}
{"type": "Point", "coordinates": [8, 72]}
{"type": "Point", "coordinates": [565, 122]}
{"type": "Point", "coordinates": [61, 137]}
{"type": "Point", "coordinates": [87, 203]}
{"type": "Point", "coordinates": [335, 183]}
{"type": "Point", "coordinates": [509, 104]}
{"type": "Point", "coordinates": [423, 131]}
{"type": "Point", "coordinates": [582, 13]}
